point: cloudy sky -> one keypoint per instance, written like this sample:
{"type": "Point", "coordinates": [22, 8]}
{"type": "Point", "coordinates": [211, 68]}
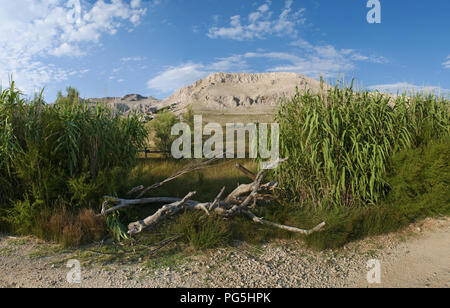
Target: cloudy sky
{"type": "Point", "coordinates": [153, 47]}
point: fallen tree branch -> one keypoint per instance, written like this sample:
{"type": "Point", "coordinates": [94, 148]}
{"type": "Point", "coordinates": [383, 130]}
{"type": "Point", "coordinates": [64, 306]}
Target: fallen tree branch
{"type": "Point", "coordinates": [247, 172]}
{"type": "Point", "coordinates": [186, 170]}
{"type": "Point", "coordinates": [121, 203]}
{"type": "Point", "coordinates": [135, 190]}
{"type": "Point", "coordinates": [162, 213]}
{"type": "Point", "coordinates": [217, 200]}
{"type": "Point", "coordinates": [237, 202]}
{"type": "Point", "coordinates": [259, 220]}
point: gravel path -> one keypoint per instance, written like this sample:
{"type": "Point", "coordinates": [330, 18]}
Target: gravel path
{"type": "Point", "coordinates": [419, 256]}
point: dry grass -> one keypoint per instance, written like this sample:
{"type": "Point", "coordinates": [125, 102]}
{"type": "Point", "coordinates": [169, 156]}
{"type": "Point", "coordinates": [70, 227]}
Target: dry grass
{"type": "Point", "coordinates": [206, 182]}
{"type": "Point", "coordinates": [71, 229]}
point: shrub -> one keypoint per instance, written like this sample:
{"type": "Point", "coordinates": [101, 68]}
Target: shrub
{"type": "Point", "coordinates": [162, 127]}
{"type": "Point", "coordinates": [340, 142]}
{"type": "Point", "coordinates": [70, 150]}
{"type": "Point", "coordinates": [420, 180]}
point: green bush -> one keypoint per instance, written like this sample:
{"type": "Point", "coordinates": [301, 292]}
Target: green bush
{"type": "Point", "coordinates": [70, 150]}
{"type": "Point", "coordinates": [419, 182]}
{"type": "Point", "coordinates": [162, 127]}
{"type": "Point", "coordinates": [340, 143]}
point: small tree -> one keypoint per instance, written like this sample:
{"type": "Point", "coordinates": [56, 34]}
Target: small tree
{"type": "Point", "coordinates": [188, 117]}
{"type": "Point", "coordinates": [162, 127]}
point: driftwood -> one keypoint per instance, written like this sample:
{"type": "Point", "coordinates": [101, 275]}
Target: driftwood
{"type": "Point", "coordinates": [165, 211]}
{"type": "Point", "coordinates": [239, 201]}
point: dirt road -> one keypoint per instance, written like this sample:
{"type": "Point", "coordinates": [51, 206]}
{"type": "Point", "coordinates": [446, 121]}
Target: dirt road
{"type": "Point", "coordinates": [419, 256]}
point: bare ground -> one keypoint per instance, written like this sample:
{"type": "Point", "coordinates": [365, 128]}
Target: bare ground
{"type": "Point", "coordinates": [419, 256]}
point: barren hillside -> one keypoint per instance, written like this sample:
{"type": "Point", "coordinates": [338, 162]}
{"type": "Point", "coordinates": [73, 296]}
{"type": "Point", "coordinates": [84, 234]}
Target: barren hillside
{"type": "Point", "coordinates": [129, 103]}
{"type": "Point", "coordinates": [237, 92]}
{"type": "Point", "coordinates": [221, 93]}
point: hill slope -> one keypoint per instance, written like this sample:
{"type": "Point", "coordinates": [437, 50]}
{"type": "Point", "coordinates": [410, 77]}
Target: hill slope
{"type": "Point", "coordinates": [232, 92]}
{"type": "Point", "coordinates": [221, 93]}
{"type": "Point", "coordinates": [129, 103]}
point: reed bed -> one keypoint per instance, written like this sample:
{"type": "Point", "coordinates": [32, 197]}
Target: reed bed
{"type": "Point", "coordinates": [340, 142]}
{"type": "Point", "coordinates": [69, 152]}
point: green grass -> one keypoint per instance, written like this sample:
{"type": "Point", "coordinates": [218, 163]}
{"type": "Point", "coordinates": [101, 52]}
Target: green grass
{"type": "Point", "coordinates": [202, 232]}
{"type": "Point", "coordinates": [207, 182]}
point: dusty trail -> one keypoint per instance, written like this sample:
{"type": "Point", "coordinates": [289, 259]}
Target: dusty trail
{"type": "Point", "coordinates": [420, 262]}
{"type": "Point", "coordinates": [419, 256]}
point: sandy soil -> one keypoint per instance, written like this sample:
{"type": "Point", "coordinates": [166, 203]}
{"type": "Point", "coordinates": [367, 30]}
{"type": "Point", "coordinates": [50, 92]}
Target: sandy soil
{"type": "Point", "coordinates": [419, 256]}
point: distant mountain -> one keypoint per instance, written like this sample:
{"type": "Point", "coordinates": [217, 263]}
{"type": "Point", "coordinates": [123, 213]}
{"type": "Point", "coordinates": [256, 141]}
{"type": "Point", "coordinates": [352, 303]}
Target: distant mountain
{"type": "Point", "coordinates": [231, 92]}
{"type": "Point", "coordinates": [129, 103]}
{"type": "Point", "coordinates": [221, 92]}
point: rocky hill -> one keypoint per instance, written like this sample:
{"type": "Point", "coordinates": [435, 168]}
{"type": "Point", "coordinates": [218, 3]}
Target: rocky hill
{"type": "Point", "coordinates": [129, 103]}
{"type": "Point", "coordinates": [231, 92]}
{"type": "Point", "coordinates": [222, 93]}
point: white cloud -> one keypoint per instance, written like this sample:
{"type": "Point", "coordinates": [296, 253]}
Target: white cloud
{"type": "Point", "coordinates": [405, 87]}
{"type": "Point", "coordinates": [315, 61]}
{"type": "Point", "coordinates": [261, 23]}
{"type": "Point", "coordinates": [135, 4]}
{"type": "Point", "coordinates": [446, 64]}
{"type": "Point", "coordinates": [33, 30]}
{"type": "Point", "coordinates": [174, 78]}
{"type": "Point", "coordinates": [132, 59]}
{"type": "Point", "coordinates": [310, 60]}
{"type": "Point", "coordinates": [314, 65]}
{"type": "Point", "coordinates": [356, 56]}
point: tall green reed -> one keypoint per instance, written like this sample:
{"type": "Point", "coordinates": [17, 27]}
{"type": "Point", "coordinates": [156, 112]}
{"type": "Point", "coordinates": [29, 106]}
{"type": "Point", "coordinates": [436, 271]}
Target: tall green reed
{"type": "Point", "coordinates": [340, 142]}
{"type": "Point", "coordinates": [53, 151]}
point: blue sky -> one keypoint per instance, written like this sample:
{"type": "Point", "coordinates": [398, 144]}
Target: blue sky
{"type": "Point", "coordinates": [154, 47]}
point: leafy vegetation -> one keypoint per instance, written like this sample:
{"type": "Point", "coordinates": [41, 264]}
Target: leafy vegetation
{"type": "Point", "coordinates": [67, 154]}
{"type": "Point", "coordinates": [363, 162]}
{"type": "Point", "coordinates": [162, 127]}
{"type": "Point", "coordinates": [340, 143]}
{"type": "Point", "coordinates": [419, 181]}
{"type": "Point", "coordinates": [202, 232]}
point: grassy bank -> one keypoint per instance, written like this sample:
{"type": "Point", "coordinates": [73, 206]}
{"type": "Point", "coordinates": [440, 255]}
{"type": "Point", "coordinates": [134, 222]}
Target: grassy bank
{"type": "Point", "coordinates": [419, 181]}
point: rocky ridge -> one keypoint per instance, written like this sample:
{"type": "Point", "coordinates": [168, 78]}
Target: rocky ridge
{"type": "Point", "coordinates": [221, 92]}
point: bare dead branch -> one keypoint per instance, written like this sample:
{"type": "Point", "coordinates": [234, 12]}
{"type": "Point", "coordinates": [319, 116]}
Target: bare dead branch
{"type": "Point", "coordinates": [184, 171]}
{"type": "Point", "coordinates": [122, 203]}
{"type": "Point", "coordinates": [239, 201]}
{"type": "Point", "coordinates": [217, 200]}
{"type": "Point", "coordinates": [259, 220]}
{"type": "Point", "coordinates": [247, 172]}
{"type": "Point", "coordinates": [162, 213]}
{"type": "Point", "coordinates": [135, 190]}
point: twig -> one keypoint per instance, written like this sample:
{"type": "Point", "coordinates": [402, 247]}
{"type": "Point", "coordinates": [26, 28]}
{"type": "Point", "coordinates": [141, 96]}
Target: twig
{"type": "Point", "coordinates": [188, 169]}
{"type": "Point", "coordinates": [135, 190]}
{"type": "Point", "coordinates": [247, 172]}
